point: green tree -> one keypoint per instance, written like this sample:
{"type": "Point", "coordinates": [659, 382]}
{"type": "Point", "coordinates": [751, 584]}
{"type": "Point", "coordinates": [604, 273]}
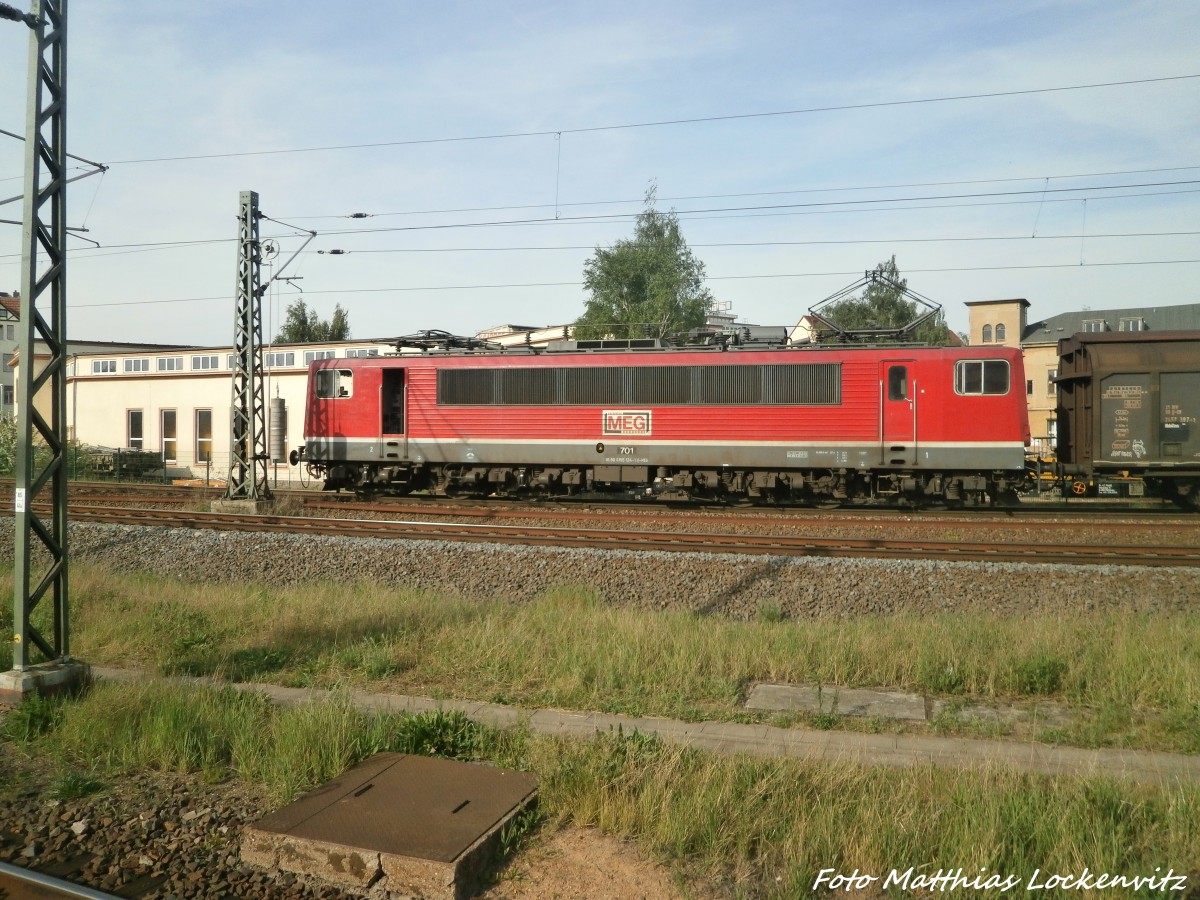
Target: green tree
{"type": "Point", "coordinates": [302, 325]}
{"type": "Point", "coordinates": [884, 305]}
{"type": "Point", "coordinates": [649, 285]}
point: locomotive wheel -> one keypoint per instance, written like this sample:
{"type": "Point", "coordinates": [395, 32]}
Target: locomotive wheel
{"type": "Point", "coordinates": [1079, 488]}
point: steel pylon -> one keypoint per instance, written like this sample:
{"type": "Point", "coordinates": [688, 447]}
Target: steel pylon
{"type": "Point", "coordinates": [40, 551]}
{"type": "Point", "coordinates": [248, 410]}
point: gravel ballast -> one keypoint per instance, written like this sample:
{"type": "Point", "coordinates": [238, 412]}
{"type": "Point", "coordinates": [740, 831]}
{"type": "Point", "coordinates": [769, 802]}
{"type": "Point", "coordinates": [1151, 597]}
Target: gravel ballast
{"type": "Point", "coordinates": [738, 586]}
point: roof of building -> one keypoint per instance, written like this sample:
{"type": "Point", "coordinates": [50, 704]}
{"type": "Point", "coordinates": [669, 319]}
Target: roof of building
{"type": "Point", "coordinates": [11, 305]}
{"type": "Point", "coordinates": [1182, 317]}
{"type": "Point", "coordinates": [1020, 300]}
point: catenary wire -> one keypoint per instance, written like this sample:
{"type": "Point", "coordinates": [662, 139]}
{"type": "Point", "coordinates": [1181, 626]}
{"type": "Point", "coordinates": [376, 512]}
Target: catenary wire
{"type": "Point", "coordinates": [666, 122]}
{"type": "Point", "coordinates": [166, 245]}
{"type": "Point", "coordinates": [477, 287]}
{"type": "Point", "coordinates": [826, 190]}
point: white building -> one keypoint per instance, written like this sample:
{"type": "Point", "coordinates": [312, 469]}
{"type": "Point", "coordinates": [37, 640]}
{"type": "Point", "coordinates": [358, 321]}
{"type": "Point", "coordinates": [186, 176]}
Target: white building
{"type": "Point", "coordinates": [10, 310]}
{"type": "Point", "coordinates": [176, 401]}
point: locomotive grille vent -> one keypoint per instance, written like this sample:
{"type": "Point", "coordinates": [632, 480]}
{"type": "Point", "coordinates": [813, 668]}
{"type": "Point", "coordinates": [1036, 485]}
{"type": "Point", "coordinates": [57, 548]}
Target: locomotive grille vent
{"type": "Point", "coordinates": [805, 384]}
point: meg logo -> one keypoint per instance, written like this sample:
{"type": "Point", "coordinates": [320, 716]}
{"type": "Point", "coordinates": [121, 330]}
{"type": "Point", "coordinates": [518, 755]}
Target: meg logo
{"type": "Point", "coordinates": [626, 421]}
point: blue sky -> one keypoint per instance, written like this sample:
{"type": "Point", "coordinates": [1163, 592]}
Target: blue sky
{"type": "Point", "coordinates": [782, 209]}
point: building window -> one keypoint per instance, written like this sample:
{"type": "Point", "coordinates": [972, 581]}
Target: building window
{"type": "Point", "coordinates": [170, 364]}
{"type": "Point", "coordinates": [169, 437]}
{"type": "Point", "coordinates": [133, 438]}
{"type": "Point", "coordinates": [1133, 323]}
{"type": "Point", "coordinates": [203, 435]}
{"type": "Point", "coordinates": [279, 360]}
{"type": "Point", "coordinates": [7, 361]}
{"type": "Point", "coordinates": [1095, 325]}
{"type": "Point", "coordinates": [137, 365]}
{"type": "Point", "coordinates": [1029, 388]}
{"type": "Point", "coordinates": [10, 333]}
{"type": "Point", "coordinates": [353, 354]}
{"type": "Point", "coordinates": [7, 393]}
{"type": "Point", "coordinates": [1050, 385]}
{"type": "Point", "coordinates": [104, 366]}
{"type": "Point", "coordinates": [981, 376]}
{"type": "Point", "coordinates": [202, 363]}
{"type": "Point", "coordinates": [987, 334]}
{"type": "Point", "coordinates": [999, 333]}
{"type": "Point", "coordinates": [310, 355]}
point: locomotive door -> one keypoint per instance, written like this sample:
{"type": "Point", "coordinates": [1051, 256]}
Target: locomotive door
{"type": "Point", "coordinates": [393, 435]}
{"type": "Point", "coordinates": [897, 413]}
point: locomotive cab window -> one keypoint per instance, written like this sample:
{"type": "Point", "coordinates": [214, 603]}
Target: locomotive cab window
{"type": "Point", "coordinates": [981, 376]}
{"type": "Point", "coordinates": [333, 384]}
{"type": "Point", "coordinates": [898, 383]}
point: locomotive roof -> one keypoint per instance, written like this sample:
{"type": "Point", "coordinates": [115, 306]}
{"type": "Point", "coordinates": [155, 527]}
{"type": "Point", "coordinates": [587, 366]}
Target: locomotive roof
{"type": "Point", "coordinates": [440, 344]}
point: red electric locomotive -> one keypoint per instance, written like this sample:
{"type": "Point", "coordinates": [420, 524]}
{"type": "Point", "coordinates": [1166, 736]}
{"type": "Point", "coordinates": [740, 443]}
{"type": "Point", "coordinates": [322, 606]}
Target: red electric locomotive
{"type": "Point", "coordinates": [814, 424]}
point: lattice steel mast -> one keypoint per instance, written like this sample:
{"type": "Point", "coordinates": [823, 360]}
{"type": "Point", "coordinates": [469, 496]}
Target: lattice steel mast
{"type": "Point", "coordinates": [248, 410]}
{"type": "Point", "coordinates": [40, 551]}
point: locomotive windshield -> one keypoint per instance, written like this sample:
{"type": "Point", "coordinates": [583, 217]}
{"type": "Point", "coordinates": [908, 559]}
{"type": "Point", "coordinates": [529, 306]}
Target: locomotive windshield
{"type": "Point", "coordinates": [333, 384]}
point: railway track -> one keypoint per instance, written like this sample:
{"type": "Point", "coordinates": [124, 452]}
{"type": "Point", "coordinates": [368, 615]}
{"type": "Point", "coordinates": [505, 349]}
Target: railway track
{"type": "Point", "coordinates": [635, 539]}
{"type": "Point", "coordinates": [19, 883]}
{"type": "Point", "coordinates": [1161, 518]}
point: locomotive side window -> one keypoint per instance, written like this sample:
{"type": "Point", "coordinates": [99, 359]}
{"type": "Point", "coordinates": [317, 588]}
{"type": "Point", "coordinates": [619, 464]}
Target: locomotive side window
{"type": "Point", "coordinates": [981, 376]}
{"type": "Point", "coordinates": [898, 383]}
{"type": "Point", "coordinates": [333, 384]}
{"type": "Point", "coordinates": [805, 384]}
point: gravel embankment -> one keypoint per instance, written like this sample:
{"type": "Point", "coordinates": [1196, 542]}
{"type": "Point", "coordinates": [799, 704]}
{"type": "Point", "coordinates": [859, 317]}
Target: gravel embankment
{"type": "Point", "coordinates": [152, 835]}
{"type": "Point", "coordinates": [724, 584]}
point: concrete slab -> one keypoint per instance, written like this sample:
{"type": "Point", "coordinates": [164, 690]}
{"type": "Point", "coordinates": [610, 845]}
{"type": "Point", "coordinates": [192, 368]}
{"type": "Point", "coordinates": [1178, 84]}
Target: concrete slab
{"type": "Point", "coordinates": [46, 679]}
{"type": "Point", "coordinates": [893, 750]}
{"type": "Point", "coordinates": [412, 825]}
{"type": "Point", "coordinates": [842, 701]}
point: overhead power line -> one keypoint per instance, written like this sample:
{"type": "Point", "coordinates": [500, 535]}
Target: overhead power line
{"type": "Point", "coordinates": [822, 206]}
{"type": "Point", "coordinates": [814, 243]}
{"type": "Point", "coordinates": [544, 284]}
{"type": "Point", "coordinates": [170, 245]}
{"type": "Point", "coordinates": [663, 122]}
{"type": "Point", "coordinates": [824, 190]}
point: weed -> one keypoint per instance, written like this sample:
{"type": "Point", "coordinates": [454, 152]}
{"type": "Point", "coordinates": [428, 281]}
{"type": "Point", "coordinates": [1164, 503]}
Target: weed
{"type": "Point", "coordinates": [37, 715]}
{"type": "Point", "coordinates": [771, 613]}
{"type": "Point", "coordinates": [246, 665]}
{"type": "Point", "coordinates": [74, 785]}
{"type": "Point", "coordinates": [371, 657]}
{"type": "Point", "coordinates": [1184, 726]}
{"type": "Point", "coordinates": [826, 721]}
{"type": "Point", "coordinates": [516, 833]}
{"type": "Point", "coordinates": [1039, 674]}
{"type": "Point", "coordinates": [941, 677]}
{"type": "Point", "coordinates": [440, 732]}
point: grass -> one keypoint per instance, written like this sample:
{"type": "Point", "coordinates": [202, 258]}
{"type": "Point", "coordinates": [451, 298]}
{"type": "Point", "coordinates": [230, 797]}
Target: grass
{"type": "Point", "coordinates": [567, 649]}
{"type": "Point", "coordinates": [757, 827]}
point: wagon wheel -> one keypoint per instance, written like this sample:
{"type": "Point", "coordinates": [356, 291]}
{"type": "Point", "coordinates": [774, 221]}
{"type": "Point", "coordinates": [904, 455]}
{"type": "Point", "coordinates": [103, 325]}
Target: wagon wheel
{"type": "Point", "coordinates": [1079, 488]}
